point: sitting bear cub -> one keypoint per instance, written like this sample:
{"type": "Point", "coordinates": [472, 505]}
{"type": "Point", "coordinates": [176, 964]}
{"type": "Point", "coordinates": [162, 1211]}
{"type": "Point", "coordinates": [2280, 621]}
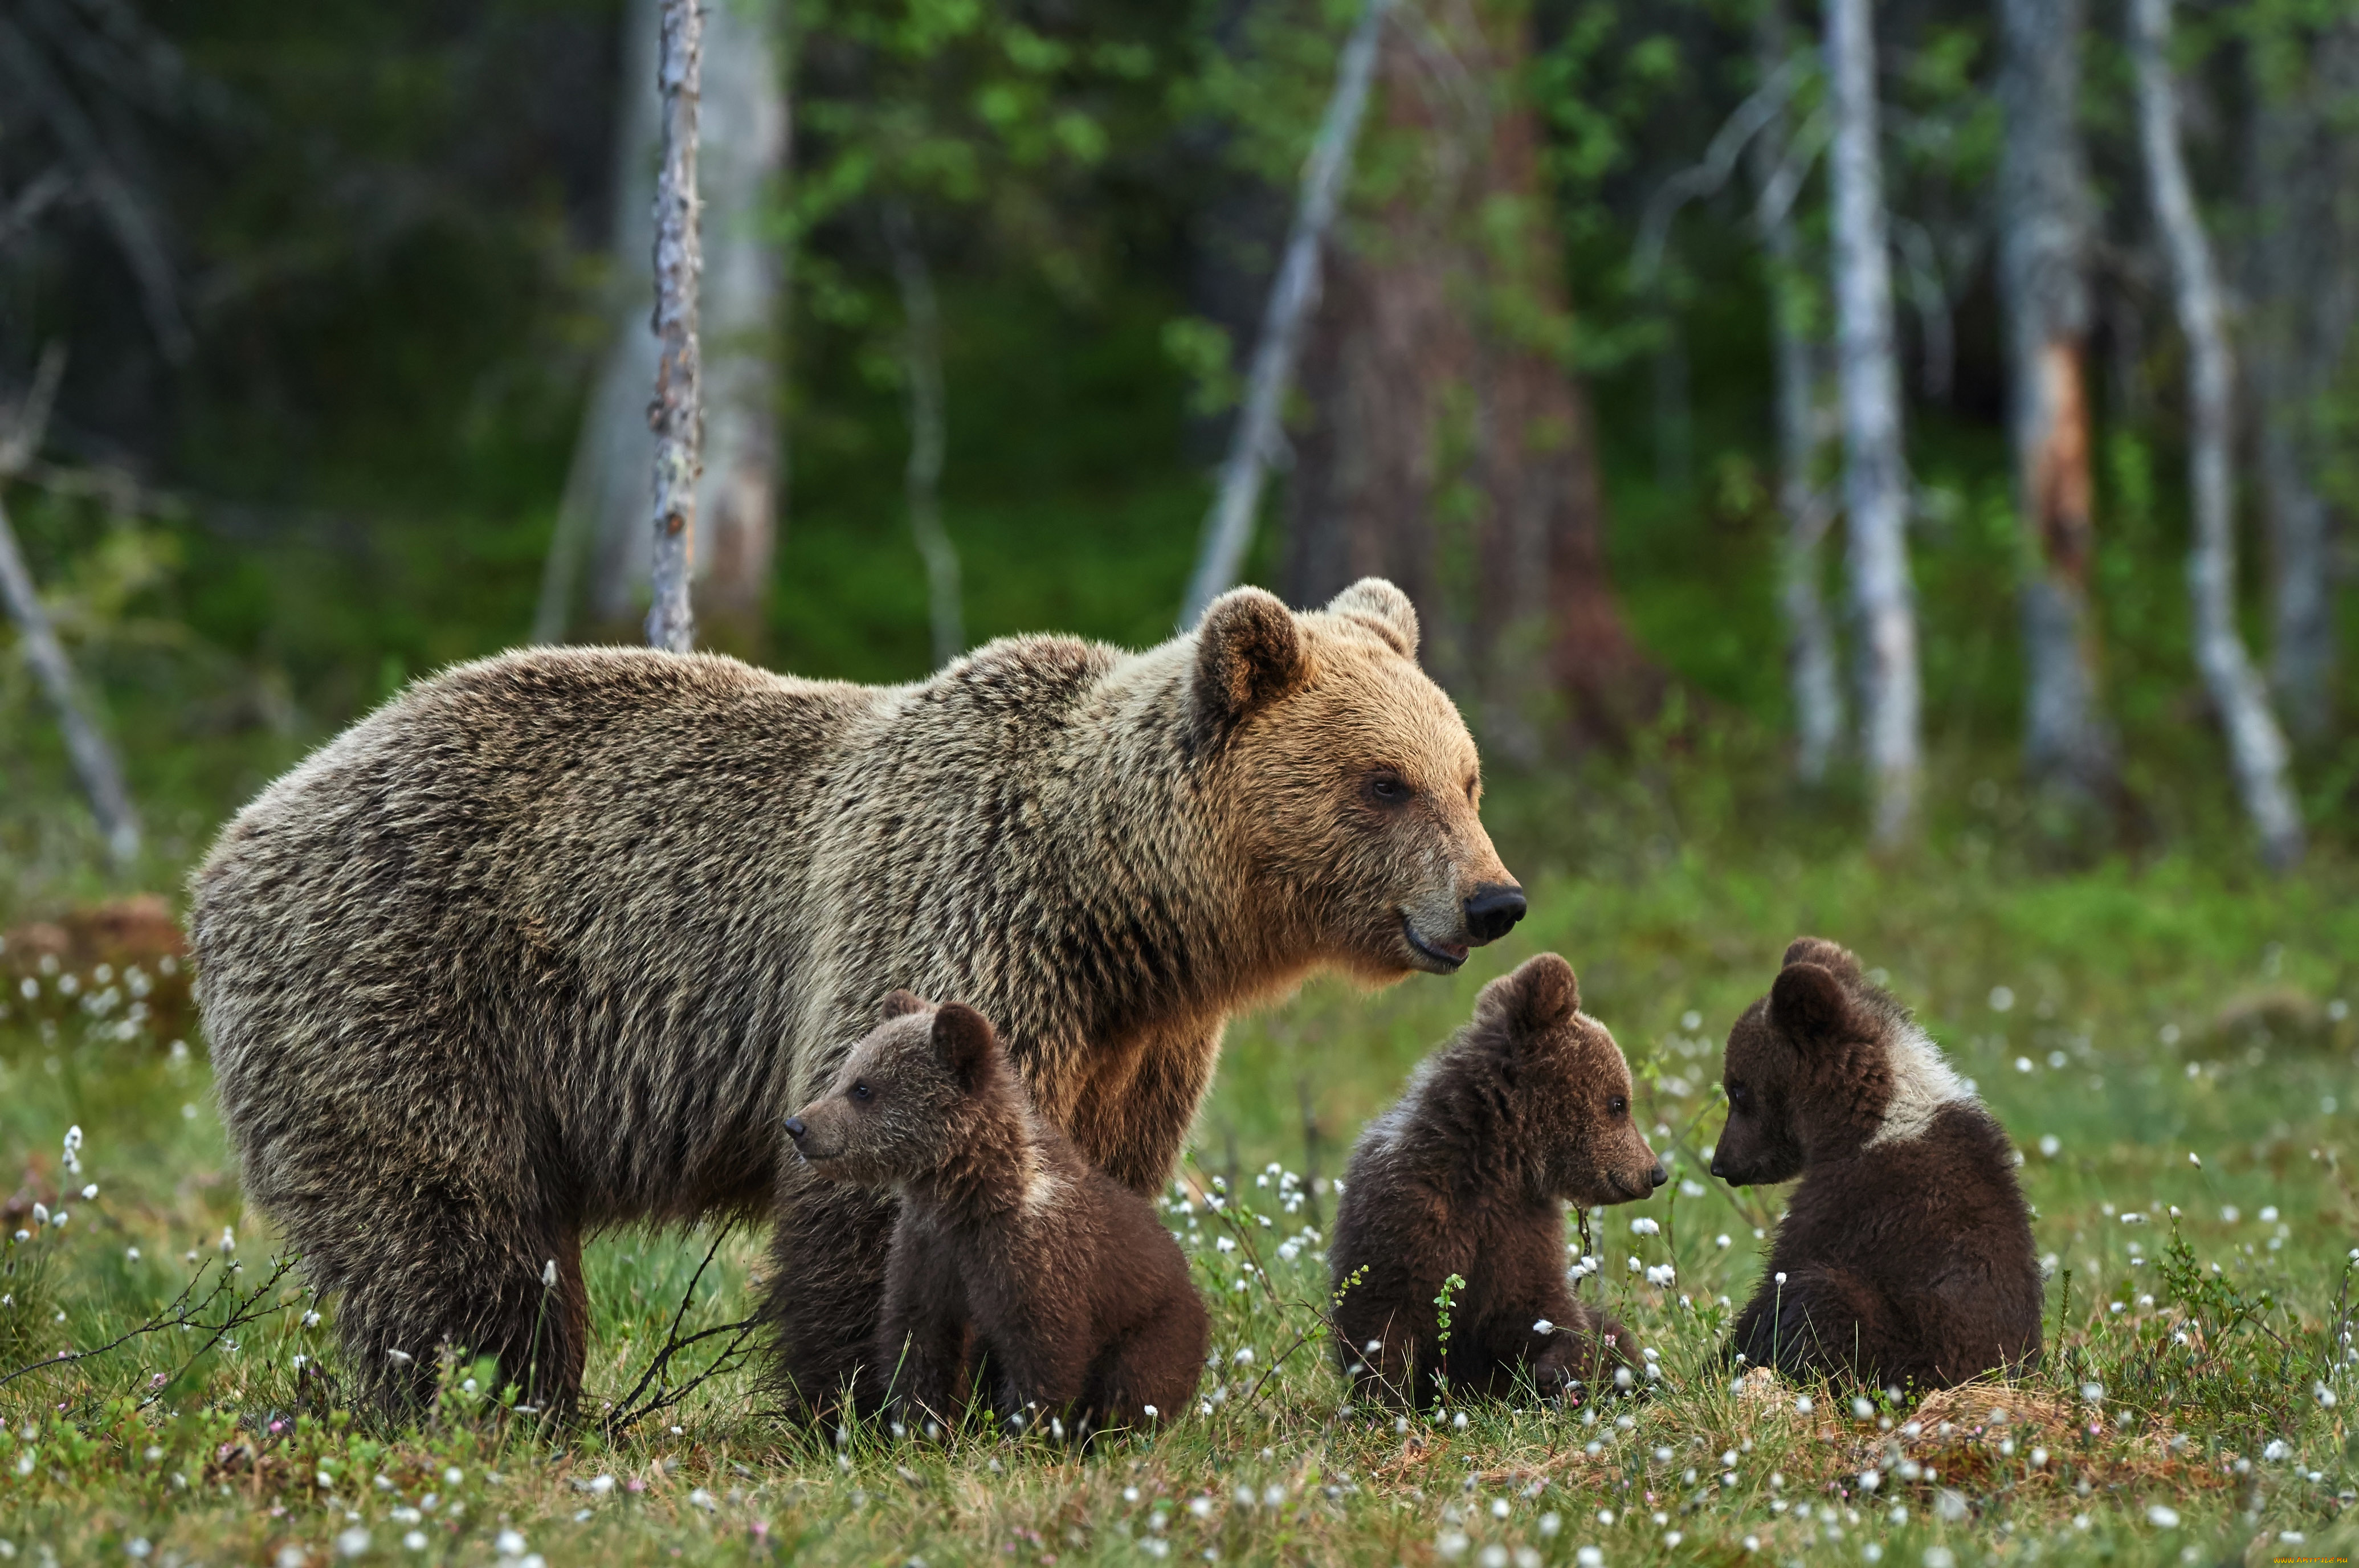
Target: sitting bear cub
{"type": "Point", "coordinates": [1905, 1254]}
{"type": "Point", "coordinates": [1019, 1274]}
{"type": "Point", "coordinates": [1527, 1109]}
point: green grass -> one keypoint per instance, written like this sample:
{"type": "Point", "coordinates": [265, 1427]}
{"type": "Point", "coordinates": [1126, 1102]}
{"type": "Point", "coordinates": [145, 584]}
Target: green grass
{"type": "Point", "coordinates": [2149, 1015]}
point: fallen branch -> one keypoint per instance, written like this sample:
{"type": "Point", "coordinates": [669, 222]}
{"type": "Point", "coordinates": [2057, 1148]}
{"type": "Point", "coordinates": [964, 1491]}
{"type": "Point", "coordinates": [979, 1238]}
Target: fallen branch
{"type": "Point", "coordinates": [183, 1312]}
{"type": "Point", "coordinates": [631, 1409]}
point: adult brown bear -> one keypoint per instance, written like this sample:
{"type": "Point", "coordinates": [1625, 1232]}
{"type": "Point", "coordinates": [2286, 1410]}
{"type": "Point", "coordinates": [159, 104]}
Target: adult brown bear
{"type": "Point", "coordinates": [554, 942]}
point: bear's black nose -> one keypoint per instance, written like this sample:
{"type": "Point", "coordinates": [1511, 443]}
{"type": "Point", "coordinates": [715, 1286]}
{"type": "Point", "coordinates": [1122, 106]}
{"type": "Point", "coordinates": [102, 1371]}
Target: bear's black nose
{"type": "Point", "coordinates": [1493, 911]}
{"type": "Point", "coordinates": [795, 1128]}
{"type": "Point", "coordinates": [1660, 1175]}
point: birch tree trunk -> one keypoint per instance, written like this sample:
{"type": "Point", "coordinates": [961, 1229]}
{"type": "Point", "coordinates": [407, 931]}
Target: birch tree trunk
{"type": "Point", "coordinates": [2256, 747]}
{"type": "Point", "coordinates": [1811, 663]}
{"type": "Point", "coordinates": [1875, 480]}
{"type": "Point", "coordinates": [2044, 206]}
{"type": "Point", "coordinates": [601, 522]}
{"type": "Point", "coordinates": [677, 414]}
{"type": "Point", "coordinates": [93, 759]}
{"type": "Point", "coordinates": [2304, 283]}
{"type": "Point", "coordinates": [921, 359]}
{"type": "Point", "coordinates": [86, 743]}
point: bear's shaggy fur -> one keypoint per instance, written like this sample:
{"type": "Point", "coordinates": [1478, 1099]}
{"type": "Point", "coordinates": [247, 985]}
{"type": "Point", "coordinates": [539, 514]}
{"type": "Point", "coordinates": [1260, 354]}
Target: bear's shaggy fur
{"type": "Point", "coordinates": [1906, 1255]}
{"type": "Point", "coordinates": [1526, 1110]}
{"type": "Point", "coordinates": [553, 942]}
{"type": "Point", "coordinates": [1021, 1276]}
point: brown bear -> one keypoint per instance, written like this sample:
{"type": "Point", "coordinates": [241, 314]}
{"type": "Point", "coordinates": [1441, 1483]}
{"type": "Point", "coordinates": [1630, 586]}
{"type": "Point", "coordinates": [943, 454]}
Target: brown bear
{"type": "Point", "coordinates": [1526, 1110]}
{"type": "Point", "coordinates": [553, 942]}
{"type": "Point", "coordinates": [1905, 1254]}
{"type": "Point", "coordinates": [1022, 1278]}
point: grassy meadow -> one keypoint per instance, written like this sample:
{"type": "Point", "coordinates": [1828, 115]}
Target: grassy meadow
{"type": "Point", "coordinates": [2168, 1045]}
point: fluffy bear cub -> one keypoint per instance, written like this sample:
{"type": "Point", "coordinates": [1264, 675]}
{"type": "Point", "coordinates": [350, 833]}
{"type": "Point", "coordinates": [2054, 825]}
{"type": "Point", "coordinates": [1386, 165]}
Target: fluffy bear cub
{"type": "Point", "coordinates": [1019, 1273]}
{"type": "Point", "coordinates": [1905, 1254]}
{"type": "Point", "coordinates": [1527, 1109]}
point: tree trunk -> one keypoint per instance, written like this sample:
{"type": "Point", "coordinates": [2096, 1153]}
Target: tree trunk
{"type": "Point", "coordinates": [921, 360]}
{"type": "Point", "coordinates": [1293, 295]}
{"type": "Point", "coordinates": [677, 412]}
{"type": "Point", "coordinates": [2256, 747]}
{"type": "Point", "coordinates": [2304, 285]}
{"type": "Point", "coordinates": [2045, 203]}
{"type": "Point", "coordinates": [1811, 668]}
{"type": "Point", "coordinates": [86, 743]}
{"type": "Point", "coordinates": [1876, 478]}
{"type": "Point", "coordinates": [603, 521]}
{"type": "Point", "coordinates": [1448, 449]}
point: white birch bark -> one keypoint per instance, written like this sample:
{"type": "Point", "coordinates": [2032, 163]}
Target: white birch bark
{"type": "Point", "coordinates": [677, 414]}
{"type": "Point", "coordinates": [922, 358]}
{"type": "Point", "coordinates": [602, 523]}
{"type": "Point", "coordinates": [1876, 481]}
{"type": "Point", "coordinates": [2044, 205]}
{"type": "Point", "coordinates": [1228, 528]}
{"type": "Point", "coordinates": [2256, 747]}
{"type": "Point", "coordinates": [1811, 663]}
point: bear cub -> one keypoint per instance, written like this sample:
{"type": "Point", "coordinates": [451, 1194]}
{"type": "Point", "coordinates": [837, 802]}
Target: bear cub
{"type": "Point", "coordinates": [1527, 1109]}
{"type": "Point", "coordinates": [1020, 1277]}
{"type": "Point", "coordinates": [1906, 1255]}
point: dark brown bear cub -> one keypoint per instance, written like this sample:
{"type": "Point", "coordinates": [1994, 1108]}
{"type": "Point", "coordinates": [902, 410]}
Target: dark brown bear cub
{"type": "Point", "coordinates": [1905, 1254]}
{"type": "Point", "coordinates": [1015, 1261]}
{"type": "Point", "coordinates": [1526, 1110]}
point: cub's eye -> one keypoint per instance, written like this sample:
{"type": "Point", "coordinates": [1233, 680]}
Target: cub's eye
{"type": "Point", "coordinates": [1739, 1096]}
{"type": "Point", "coordinates": [1616, 1107]}
{"type": "Point", "coordinates": [1388, 787]}
{"type": "Point", "coordinates": [860, 1090]}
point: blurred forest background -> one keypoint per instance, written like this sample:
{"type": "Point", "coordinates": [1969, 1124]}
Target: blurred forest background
{"type": "Point", "coordinates": [325, 362]}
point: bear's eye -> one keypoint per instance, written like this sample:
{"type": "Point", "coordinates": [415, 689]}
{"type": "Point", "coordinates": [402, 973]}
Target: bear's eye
{"type": "Point", "coordinates": [1616, 1107]}
{"type": "Point", "coordinates": [1386, 788]}
{"type": "Point", "coordinates": [860, 1090]}
{"type": "Point", "coordinates": [1739, 1096]}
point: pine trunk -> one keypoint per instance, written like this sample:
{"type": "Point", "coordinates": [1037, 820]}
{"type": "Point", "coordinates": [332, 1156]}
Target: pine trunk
{"type": "Point", "coordinates": [1450, 449]}
{"type": "Point", "coordinates": [2256, 747]}
{"type": "Point", "coordinates": [2045, 203]}
{"type": "Point", "coordinates": [1875, 479]}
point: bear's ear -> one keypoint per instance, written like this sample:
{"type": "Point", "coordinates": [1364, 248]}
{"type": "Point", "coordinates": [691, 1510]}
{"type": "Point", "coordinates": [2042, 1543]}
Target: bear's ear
{"type": "Point", "coordinates": [900, 1005]}
{"type": "Point", "coordinates": [963, 1042]}
{"type": "Point", "coordinates": [1834, 957]}
{"type": "Point", "coordinates": [1541, 993]}
{"type": "Point", "coordinates": [1382, 609]}
{"type": "Point", "coordinates": [1809, 1004]}
{"type": "Point", "coordinates": [1248, 653]}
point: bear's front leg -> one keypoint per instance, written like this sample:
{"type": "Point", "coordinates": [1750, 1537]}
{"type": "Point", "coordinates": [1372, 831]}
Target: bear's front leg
{"type": "Point", "coordinates": [826, 1287]}
{"type": "Point", "coordinates": [919, 1365]}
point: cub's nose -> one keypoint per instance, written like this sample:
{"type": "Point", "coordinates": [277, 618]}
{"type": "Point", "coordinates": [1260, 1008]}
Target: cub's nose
{"type": "Point", "coordinates": [1658, 1175]}
{"type": "Point", "coordinates": [795, 1128]}
{"type": "Point", "coordinates": [1493, 911]}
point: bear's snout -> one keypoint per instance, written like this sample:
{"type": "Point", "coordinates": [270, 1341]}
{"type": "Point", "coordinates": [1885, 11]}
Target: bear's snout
{"type": "Point", "coordinates": [1493, 911]}
{"type": "Point", "coordinates": [1658, 1176]}
{"type": "Point", "coordinates": [795, 1128]}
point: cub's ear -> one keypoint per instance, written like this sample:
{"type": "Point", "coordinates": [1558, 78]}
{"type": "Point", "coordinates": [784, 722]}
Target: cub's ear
{"type": "Point", "coordinates": [963, 1040]}
{"type": "Point", "coordinates": [1809, 1003]}
{"type": "Point", "coordinates": [1834, 957]}
{"type": "Point", "coordinates": [1248, 653]}
{"type": "Point", "coordinates": [1539, 995]}
{"type": "Point", "coordinates": [1382, 609]}
{"type": "Point", "coordinates": [901, 1004]}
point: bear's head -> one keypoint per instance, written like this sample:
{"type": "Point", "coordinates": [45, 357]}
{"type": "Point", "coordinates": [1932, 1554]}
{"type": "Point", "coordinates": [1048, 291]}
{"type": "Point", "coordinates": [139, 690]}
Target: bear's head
{"type": "Point", "coordinates": [905, 1098]}
{"type": "Point", "coordinates": [1566, 1087]}
{"type": "Point", "coordinates": [1825, 1065]}
{"type": "Point", "coordinates": [1348, 783]}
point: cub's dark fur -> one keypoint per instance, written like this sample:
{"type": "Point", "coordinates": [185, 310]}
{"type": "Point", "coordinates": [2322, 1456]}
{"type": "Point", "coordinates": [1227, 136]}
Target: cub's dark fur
{"type": "Point", "coordinates": [1014, 1258]}
{"type": "Point", "coordinates": [1526, 1110]}
{"type": "Point", "coordinates": [1906, 1253]}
